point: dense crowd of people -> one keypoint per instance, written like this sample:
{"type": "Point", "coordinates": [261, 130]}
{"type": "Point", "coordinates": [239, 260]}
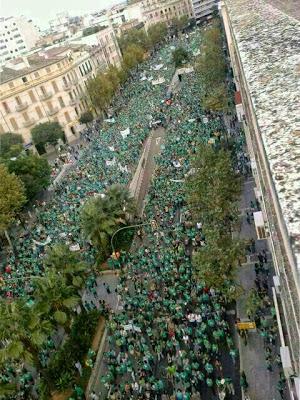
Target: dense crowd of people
{"type": "Point", "coordinates": [172, 333]}
{"type": "Point", "coordinates": [171, 336]}
{"type": "Point", "coordinates": [111, 156]}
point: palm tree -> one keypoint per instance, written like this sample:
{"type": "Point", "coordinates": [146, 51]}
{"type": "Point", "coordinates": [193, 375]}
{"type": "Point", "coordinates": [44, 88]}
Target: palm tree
{"type": "Point", "coordinates": [64, 261]}
{"type": "Point", "coordinates": [55, 299]}
{"type": "Point", "coordinates": [102, 216]}
{"type": "Point", "coordinates": [23, 332]}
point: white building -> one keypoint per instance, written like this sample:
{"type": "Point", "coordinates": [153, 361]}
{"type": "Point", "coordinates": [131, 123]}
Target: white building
{"type": "Point", "coordinates": [203, 9]}
{"type": "Point", "coordinates": [17, 36]}
{"type": "Point", "coordinates": [264, 54]}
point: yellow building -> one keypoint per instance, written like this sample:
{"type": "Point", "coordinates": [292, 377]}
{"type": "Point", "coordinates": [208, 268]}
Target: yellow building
{"type": "Point", "coordinates": [50, 85]}
{"type": "Point", "coordinates": [156, 11]}
{"type": "Point", "coordinates": [264, 55]}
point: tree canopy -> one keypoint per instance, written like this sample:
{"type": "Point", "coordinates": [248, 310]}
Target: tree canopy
{"type": "Point", "coordinates": [213, 190]}
{"type": "Point", "coordinates": [157, 33]}
{"type": "Point", "coordinates": [12, 197]}
{"type": "Point", "coordinates": [11, 144]}
{"type": "Point", "coordinates": [211, 70]}
{"type": "Point", "coordinates": [180, 56]}
{"type": "Point", "coordinates": [102, 216]}
{"type": "Point", "coordinates": [46, 133]}
{"type": "Point", "coordinates": [86, 117]}
{"type": "Point", "coordinates": [132, 56]}
{"type": "Point", "coordinates": [91, 30]}
{"type": "Point", "coordinates": [212, 193]}
{"type": "Point", "coordinates": [138, 37]}
{"type": "Point", "coordinates": [34, 171]}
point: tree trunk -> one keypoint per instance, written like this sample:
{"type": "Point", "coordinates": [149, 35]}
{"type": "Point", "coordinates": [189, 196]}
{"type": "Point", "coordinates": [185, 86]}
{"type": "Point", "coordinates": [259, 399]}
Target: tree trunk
{"type": "Point", "coordinates": [8, 240]}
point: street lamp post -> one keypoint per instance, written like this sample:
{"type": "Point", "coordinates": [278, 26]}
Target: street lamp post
{"type": "Point", "coordinates": [152, 222]}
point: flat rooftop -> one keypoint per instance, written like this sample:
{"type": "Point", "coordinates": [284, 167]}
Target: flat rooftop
{"type": "Point", "coordinates": [290, 7]}
{"type": "Point", "coordinates": [269, 46]}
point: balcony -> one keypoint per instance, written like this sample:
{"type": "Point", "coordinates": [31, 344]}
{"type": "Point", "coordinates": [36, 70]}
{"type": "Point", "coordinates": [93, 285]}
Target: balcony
{"type": "Point", "coordinates": [73, 102]}
{"type": "Point", "coordinates": [67, 85]}
{"type": "Point", "coordinates": [29, 123]}
{"type": "Point", "coordinates": [21, 106]}
{"type": "Point", "coordinates": [53, 111]}
{"type": "Point", "coordinates": [46, 95]}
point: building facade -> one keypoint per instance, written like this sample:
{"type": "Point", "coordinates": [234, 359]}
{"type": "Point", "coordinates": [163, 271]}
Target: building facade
{"type": "Point", "coordinates": [265, 62]}
{"type": "Point", "coordinates": [203, 9]}
{"type": "Point", "coordinates": [48, 86]}
{"type": "Point", "coordinates": [17, 36]}
{"type": "Point", "coordinates": [155, 11]}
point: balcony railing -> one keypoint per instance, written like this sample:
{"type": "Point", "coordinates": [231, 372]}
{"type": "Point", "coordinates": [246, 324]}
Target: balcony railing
{"type": "Point", "coordinates": [53, 111]}
{"type": "Point", "coordinates": [46, 95]}
{"type": "Point", "coordinates": [73, 102]}
{"type": "Point", "coordinates": [21, 106]}
{"type": "Point", "coordinates": [28, 123]}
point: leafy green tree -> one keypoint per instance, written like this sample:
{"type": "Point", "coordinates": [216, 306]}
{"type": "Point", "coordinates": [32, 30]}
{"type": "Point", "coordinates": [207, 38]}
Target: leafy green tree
{"type": "Point", "coordinates": [157, 33]}
{"type": "Point", "coordinates": [216, 99]}
{"type": "Point", "coordinates": [211, 71]}
{"type": "Point", "coordinates": [180, 56]}
{"type": "Point", "coordinates": [101, 91]}
{"type": "Point", "coordinates": [46, 133]}
{"type": "Point", "coordinates": [216, 262]}
{"type": "Point", "coordinates": [179, 23]}
{"type": "Point", "coordinates": [213, 190]}
{"type": "Point", "coordinates": [22, 333]}
{"type": "Point", "coordinates": [12, 197]}
{"type": "Point", "coordinates": [55, 299]}
{"type": "Point", "coordinates": [132, 56]}
{"type": "Point", "coordinates": [11, 144]}
{"type": "Point", "coordinates": [34, 172]}
{"type": "Point", "coordinates": [91, 30]}
{"type": "Point", "coordinates": [253, 303]}
{"type": "Point", "coordinates": [136, 37]}
{"type": "Point", "coordinates": [66, 262]}
{"type": "Point", "coordinates": [102, 216]}
{"type": "Point", "coordinates": [86, 117]}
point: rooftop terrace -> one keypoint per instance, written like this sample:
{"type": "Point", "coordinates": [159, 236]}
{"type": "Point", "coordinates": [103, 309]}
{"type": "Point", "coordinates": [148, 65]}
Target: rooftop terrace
{"type": "Point", "coordinates": [269, 46]}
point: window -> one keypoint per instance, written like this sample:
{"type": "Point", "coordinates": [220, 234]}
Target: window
{"type": "Point", "coordinates": [67, 116]}
{"type": "Point", "coordinates": [43, 90]}
{"type": "Point", "coordinates": [25, 116]}
{"type": "Point", "coordinates": [77, 113]}
{"type": "Point", "coordinates": [14, 124]}
{"type": "Point", "coordinates": [24, 79]}
{"type": "Point", "coordinates": [50, 106]}
{"type": "Point", "coordinates": [32, 96]}
{"type": "Point", "coordinates": [58, 65]}
{"type": "Point", "coordinates": [48, 70]}
{"type": "Point", "coordinates": [18, 100]}
{"type": "Point", "coordinates": [80, 70]}
{"type": "Point", "coordinates": [36, 74]}
{"type": "Point", "coordinates": [61, 102]}
{"type": "Point", "coordinates": [39, 111]}
{"type": "Point", "coordinates": [6, 108]}
{"type": "Point", "coordinates": [55, 87]}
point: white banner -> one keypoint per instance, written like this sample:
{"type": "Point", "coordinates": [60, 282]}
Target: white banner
{"type": "Point", "coordinates": [125, 133]}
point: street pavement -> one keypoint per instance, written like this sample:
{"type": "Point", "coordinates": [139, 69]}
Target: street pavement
{"type": "Point", "coordinates": [112, 298]}
{"type": "Point", "coordinates": [262, 383]}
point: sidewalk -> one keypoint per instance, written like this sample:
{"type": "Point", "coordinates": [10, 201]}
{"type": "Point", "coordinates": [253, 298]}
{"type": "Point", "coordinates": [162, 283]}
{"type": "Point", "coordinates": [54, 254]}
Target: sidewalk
{"type": "Point", "coordinates": [262, 383]}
